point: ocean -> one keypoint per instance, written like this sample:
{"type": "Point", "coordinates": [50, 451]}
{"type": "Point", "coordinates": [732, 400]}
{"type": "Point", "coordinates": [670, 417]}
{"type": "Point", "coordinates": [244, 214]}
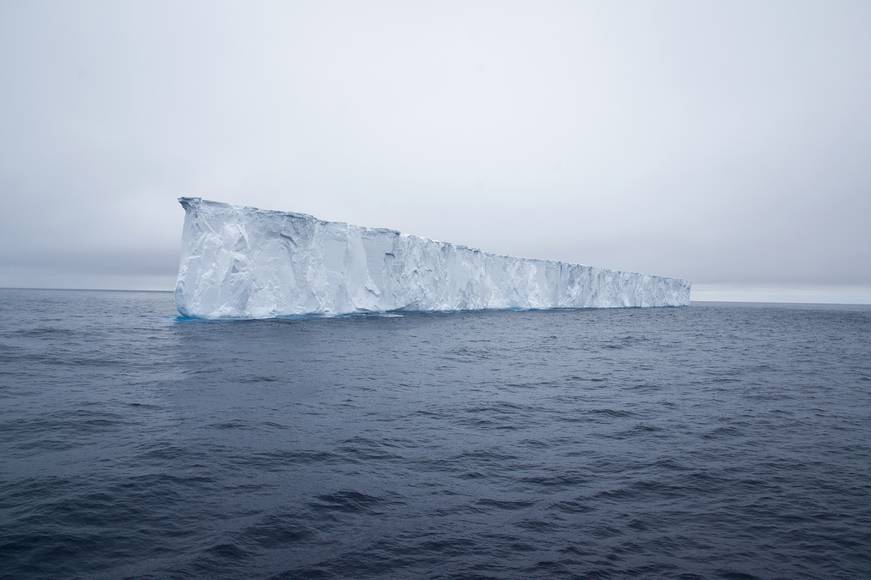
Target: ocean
{"type": "Point", "coordinates": [712, 441]}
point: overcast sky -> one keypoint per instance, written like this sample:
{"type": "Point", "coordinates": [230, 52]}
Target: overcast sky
{"type": "Point", "coordinates": [724, 142]}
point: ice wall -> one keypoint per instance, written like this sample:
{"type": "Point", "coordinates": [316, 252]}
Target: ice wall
{"type": "Point", "coordinates": [242, 262]}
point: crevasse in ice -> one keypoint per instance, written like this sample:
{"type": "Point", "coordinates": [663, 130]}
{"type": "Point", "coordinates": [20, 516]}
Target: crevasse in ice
{"type": "Point", "coordinates": [242, 262]}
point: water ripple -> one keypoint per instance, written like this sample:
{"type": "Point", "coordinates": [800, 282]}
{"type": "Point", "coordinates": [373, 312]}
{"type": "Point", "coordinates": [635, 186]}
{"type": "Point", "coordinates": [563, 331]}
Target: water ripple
{"type": "Point", "coordinates": [717, 441]}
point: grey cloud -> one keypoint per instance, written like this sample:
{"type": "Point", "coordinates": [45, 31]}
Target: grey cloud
{"type": "Point", "coordinates": [719, 142]}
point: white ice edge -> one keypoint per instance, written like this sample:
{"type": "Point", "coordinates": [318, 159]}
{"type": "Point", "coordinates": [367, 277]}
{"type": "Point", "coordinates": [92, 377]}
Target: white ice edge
{"type": "Point", "coordinates": [242, 262]}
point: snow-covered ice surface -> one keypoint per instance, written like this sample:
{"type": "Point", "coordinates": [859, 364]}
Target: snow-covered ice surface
{"type": "Point", "coordinates": [242, 262]}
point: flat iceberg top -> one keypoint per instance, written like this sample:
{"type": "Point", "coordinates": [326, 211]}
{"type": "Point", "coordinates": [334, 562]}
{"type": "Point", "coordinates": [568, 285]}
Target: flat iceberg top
{"type": "Point", "coordinates": [243, 262]}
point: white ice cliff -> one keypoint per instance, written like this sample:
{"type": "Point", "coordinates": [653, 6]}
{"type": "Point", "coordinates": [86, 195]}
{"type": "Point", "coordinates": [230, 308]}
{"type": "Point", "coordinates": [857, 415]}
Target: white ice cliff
{"type": "Point", "coordinates": [242, 262]}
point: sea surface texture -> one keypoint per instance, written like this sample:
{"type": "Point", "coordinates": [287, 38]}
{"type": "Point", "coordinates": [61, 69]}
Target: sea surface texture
{"type": "Point", "coordinates": [713, 441]}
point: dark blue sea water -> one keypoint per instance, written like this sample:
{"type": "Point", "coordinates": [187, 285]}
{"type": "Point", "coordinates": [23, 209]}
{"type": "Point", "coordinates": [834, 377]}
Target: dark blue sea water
{"type": "Point", "coordinates": [714, 441]}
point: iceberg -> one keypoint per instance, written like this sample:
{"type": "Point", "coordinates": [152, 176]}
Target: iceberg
{"type": "Point", "coordinates": [243, 262]}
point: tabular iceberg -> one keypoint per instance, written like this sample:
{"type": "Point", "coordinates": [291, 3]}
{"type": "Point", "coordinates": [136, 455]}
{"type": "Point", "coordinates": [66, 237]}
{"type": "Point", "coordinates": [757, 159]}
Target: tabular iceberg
{"type": "Point", "coordinates": [242, 262]}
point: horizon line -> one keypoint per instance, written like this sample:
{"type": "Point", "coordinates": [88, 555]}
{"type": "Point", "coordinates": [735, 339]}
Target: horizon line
{"type": "Point", "coordinates": [706, 301]}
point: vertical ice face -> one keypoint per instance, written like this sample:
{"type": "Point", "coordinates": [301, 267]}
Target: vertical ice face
{"type": "Point", "coordinates": [241, 262]}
